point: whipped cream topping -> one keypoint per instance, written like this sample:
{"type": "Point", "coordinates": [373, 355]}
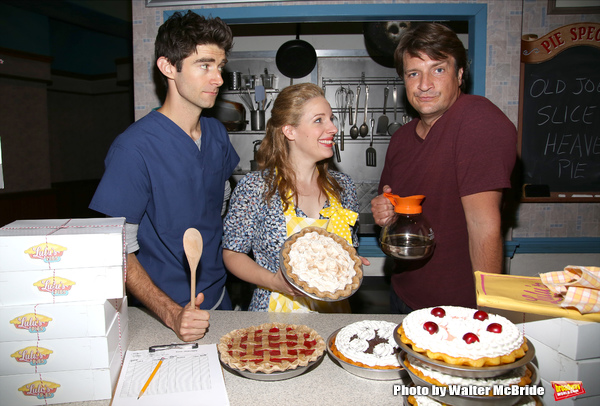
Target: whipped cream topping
{"type": "Point", "coordinates": [454, 325]}
{"type": "Point", "coordinates": [526, 401]}
{"type": "Point", "coordinates": [321, 262]}
{"type": "Point", "coordinates": [426, 401]}
{"type": "Point", "coordinates": [353, 340]}
{"type": "Point", "coordinates": [512, 377]}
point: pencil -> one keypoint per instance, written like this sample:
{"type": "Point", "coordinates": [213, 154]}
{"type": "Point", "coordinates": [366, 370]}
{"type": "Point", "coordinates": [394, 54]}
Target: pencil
{"type": "Point", "coordinates": [151, 377]}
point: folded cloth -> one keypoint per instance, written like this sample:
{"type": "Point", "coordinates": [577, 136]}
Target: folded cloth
{"type": "Point", "coordinates": [579, 285]}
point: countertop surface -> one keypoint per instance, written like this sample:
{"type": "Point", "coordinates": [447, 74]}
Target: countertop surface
{"type": "Point", "coordinates": [327, 384]}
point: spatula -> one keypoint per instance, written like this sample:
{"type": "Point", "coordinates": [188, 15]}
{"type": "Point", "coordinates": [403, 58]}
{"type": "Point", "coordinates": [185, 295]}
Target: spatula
{"type": "Point", "coordinates": [383, 121]}
{"type": "Point", "coordinates": [192, 245]}
{"type": "Point", "coordinates": [372, 152]}
{"type": "Point", "coordinates": [259, 96]}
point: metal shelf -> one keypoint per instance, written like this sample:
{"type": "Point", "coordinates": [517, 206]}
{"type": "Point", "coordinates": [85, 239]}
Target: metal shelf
{"type": "Point", "coordinates": [363, 80]}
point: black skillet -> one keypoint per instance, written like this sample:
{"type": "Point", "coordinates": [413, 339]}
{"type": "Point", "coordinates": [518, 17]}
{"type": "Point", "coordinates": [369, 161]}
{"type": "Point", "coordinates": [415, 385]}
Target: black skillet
{"type": "Point", "coordinates": [296, 58]}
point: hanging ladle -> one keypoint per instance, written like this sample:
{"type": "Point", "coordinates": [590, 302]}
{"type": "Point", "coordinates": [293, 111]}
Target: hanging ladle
{"type": "Point", "coordinates": [364, 128]}
{"type": "Point", "coordinates": [354, 128]}
{"type": "Point", "coordinates": [192, 245]}
{"type": "Point", "coordinates": [395, 125]}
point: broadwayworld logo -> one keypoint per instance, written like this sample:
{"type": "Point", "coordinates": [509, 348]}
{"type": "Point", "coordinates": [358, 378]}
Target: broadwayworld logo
{"type": "Point", "coordinates": [567, 389]}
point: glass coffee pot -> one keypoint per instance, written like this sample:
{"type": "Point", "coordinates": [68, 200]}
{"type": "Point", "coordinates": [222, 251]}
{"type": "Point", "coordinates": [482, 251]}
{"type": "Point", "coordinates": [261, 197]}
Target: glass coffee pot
{"type": "Point", "coordinates": [407, 235]}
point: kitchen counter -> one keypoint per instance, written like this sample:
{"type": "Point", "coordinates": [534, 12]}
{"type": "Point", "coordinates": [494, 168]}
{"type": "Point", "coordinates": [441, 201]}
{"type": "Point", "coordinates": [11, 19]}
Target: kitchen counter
{"type": "Point", "coordinates": [327, 384]}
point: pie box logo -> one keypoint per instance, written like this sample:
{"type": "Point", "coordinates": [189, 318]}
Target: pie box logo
{"type": "Point", "coordinates": [46, 251]}
{"type": "Point", "coordinates": [567, 389]}
{"type": "Point", "coordinates": [40, 389]}
{"type": "Point", "coordinates": [32, 355]}
{"type": "Point", "coordinates": [35, 323]}
{"type": "Point", "coordinates": [56, 285]}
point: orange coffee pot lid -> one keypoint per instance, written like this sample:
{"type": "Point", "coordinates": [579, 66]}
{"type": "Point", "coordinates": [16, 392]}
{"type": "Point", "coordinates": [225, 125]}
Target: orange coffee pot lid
{"type": "Point", "coordinates": [406, 205]}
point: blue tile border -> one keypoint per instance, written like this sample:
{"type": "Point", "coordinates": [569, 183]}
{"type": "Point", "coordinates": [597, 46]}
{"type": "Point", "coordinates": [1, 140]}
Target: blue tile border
{"type": "Point", "coordinates": [369, 246]}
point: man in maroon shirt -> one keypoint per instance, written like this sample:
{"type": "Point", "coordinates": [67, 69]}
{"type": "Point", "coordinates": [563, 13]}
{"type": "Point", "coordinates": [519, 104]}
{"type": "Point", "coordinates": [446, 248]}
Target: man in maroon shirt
{"type": "Point", "coordinates": [459, 153]}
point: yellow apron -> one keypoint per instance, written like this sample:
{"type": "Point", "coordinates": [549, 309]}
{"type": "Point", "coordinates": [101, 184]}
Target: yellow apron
{"type": "Point", "coordinates": [339, 221]}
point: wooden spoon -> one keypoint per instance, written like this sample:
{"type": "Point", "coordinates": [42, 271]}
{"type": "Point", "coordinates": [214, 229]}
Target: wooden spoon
{"type": "Point", "coordinates": [192, 245]}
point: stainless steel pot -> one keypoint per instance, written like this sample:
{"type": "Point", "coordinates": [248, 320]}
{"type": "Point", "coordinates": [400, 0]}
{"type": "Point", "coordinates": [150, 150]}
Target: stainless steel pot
{"type": "Point", "coordinates": [231, 114]}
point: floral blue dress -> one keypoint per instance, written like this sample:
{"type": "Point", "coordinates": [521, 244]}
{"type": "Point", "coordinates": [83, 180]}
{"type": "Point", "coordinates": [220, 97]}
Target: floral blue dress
{"type": "Point", "coordinates": [253, 226]}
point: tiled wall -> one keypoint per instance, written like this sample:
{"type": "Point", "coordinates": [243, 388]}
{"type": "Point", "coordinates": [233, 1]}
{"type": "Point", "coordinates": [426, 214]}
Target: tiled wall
{"type": "Point", "coordinates": [558, 220]}
{"type": "Point", "coordinates": [507, 21]}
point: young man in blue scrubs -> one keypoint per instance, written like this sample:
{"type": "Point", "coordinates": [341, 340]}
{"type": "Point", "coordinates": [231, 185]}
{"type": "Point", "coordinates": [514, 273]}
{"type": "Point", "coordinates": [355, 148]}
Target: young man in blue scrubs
{"type": "Point", "coordinates": [167, 172]}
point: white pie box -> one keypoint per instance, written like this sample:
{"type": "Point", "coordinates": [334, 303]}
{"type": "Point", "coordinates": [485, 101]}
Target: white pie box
{"type": "Point", "coordinates": [61, 386]}
{"type": "Point", "coordinates": [91, 265]}
{"type": "Point", "coordinates": [33, 245]}
{"type": "Point", "coordinates": [575, 339]}
{"type": "Point", "coordinates": [65, 354]}
{"type": "Point", "coordinates": [60, 320]}
{"type": "Point", "coordinates": [549, 400]}
{"type": "Point", "coordinates": [554, 366]}
{"type": "Point", "coordinates": [61, 286]}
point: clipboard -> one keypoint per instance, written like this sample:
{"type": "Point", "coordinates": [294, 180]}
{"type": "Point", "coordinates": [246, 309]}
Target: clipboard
{"type": "Point", "coordinates": [189, 374]}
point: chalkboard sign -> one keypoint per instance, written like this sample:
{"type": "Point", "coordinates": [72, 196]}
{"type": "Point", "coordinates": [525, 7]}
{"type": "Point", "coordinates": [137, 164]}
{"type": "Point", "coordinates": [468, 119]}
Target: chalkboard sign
{"type": "Point", "coordinates": [559, 117]}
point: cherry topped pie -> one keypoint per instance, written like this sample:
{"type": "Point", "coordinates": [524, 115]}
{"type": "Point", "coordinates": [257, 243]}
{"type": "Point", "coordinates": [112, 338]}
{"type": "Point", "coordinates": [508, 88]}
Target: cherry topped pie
{"type": "Point", "coordinates": [271, 347]}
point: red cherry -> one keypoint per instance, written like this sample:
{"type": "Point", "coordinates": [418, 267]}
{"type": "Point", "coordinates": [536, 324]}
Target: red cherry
{"type": "Point", "coordinates": [438, 312]}
{"type": "Point", "coordinates": [430, 327]}
{"type": "Point", "coordinates": [494, 328]}
{"type": "Point", "coordinates": [470, 338]}
{"type": "Point", "coordinates": [480, 315]}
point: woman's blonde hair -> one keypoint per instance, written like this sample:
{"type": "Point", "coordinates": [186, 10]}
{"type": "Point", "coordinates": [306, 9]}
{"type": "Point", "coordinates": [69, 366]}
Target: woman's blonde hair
{"type": "Point", "coordinates": [273, 153]}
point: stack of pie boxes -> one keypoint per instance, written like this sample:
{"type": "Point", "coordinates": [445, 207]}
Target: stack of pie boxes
{"type": "Point", "coordinates": [567, 352]}
{"type": "Point", "coordinates": [63, 310]}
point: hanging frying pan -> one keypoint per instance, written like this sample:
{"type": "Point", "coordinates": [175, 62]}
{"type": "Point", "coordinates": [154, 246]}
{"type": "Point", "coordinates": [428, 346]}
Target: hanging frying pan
{"type": "Point", "coordinates": [382, 38]}
{"type": "Point", "coordinates": [296, 58]}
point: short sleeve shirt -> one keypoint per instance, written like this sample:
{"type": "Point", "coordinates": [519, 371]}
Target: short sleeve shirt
{"type": "Point", "coordinates": [157, 177]}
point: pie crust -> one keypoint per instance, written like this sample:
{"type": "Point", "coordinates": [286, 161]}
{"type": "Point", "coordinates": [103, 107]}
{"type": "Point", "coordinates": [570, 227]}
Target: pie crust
{"type": "Point", "coordinates": [525, 378]}
{"type": "Point", "coordinates": [271, 347]}
{"type": "Point", "coordinates": [480, 362]}
{"type": "Point", "coordinates": [339, 294]}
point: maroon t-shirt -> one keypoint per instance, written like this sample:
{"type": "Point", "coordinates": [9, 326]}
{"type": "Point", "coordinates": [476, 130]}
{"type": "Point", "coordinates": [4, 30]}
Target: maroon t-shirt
{"type": "Point", "coordinates": [470, 149]}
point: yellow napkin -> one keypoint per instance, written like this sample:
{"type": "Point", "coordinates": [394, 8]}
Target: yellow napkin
{"type": "Point", "coordinates": [578, 285]}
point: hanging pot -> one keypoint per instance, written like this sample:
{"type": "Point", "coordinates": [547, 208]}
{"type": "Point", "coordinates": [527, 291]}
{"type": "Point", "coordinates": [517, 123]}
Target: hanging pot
{"type": "Point", "coordinates": [231, 114]}
{"type": "Point", "coordinates": [382, 38]}
{"type": "Point", "coordinates": [296, 58]}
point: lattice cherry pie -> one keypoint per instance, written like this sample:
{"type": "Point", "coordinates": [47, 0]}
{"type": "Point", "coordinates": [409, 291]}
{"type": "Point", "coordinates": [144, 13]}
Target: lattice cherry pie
{"type": "Point", "coordinates": [271, 347]}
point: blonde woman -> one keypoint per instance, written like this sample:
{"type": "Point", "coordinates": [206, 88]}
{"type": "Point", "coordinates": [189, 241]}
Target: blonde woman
{"type": "Point", "coordinates": [292, 188]}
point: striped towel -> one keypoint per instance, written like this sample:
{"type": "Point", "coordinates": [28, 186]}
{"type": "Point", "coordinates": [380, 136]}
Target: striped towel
{"type": "Point", "coordinates": [579, 286]}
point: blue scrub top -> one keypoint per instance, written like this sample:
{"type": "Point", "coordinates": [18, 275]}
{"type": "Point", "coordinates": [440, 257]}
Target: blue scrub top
{"type": "Point", "coordinates": [156, 177]}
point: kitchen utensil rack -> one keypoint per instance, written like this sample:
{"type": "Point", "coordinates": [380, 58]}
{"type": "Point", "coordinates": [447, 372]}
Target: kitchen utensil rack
{"type": "Point", "coordinates": [363, 81]}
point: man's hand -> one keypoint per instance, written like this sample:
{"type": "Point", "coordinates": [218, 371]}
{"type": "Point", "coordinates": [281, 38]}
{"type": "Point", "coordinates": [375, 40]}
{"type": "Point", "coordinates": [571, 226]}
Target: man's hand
{"type": "Point", "coordinates": [192, 323]}
{"type": "Point", "coordinates": [189, 323]}
{"type": "Point", "coordinates": [382, 208]}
